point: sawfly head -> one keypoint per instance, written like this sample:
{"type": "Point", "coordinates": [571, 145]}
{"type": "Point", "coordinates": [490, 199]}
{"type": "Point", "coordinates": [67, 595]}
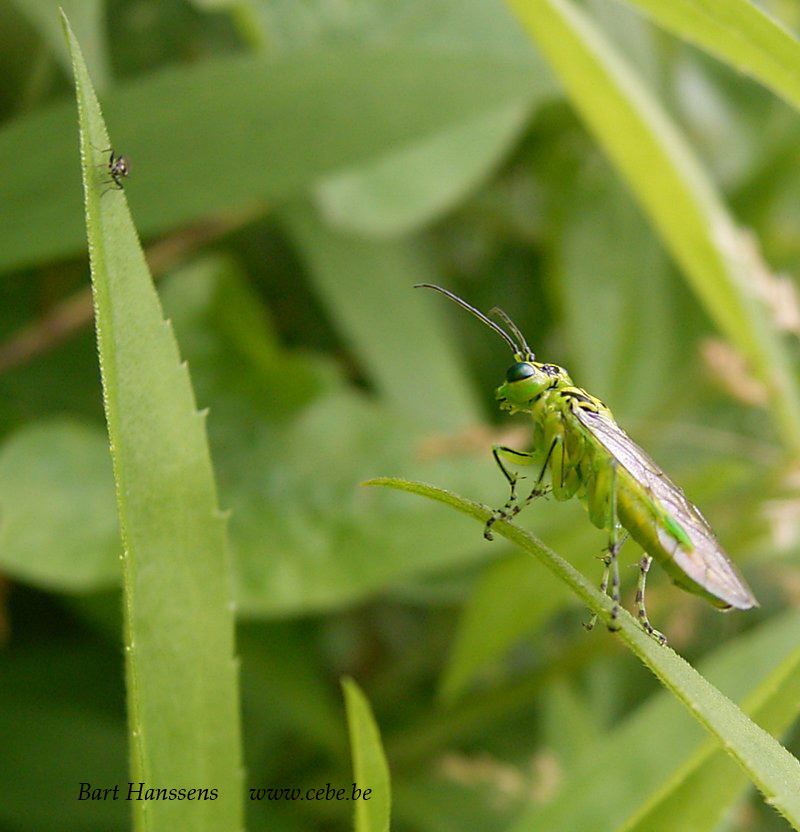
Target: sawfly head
{"type": "Point", "coordinates": [526, 381]}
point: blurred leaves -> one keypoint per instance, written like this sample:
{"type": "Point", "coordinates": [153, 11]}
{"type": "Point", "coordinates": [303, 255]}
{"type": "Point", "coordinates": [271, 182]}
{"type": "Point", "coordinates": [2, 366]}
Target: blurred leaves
{"type": "Point", "coordinates": [58, 525]}
{"type": "Point", "coordinates": [389, 321]}
{"type": "Point", "coordinates": [512, 599]}
{"type": "Point", "coordinates": [399, 194]}
{"type": "Point", "coordinates": [349, 149]}
{"type": "Point", "coordinates": [292, 443]}
{"type": "Point", "coordinates": [87, 21]}
{"type": "Point", "coordinates": [356, 105]}
{"type": "Point", "coordinates": [722, 268]}
{"type": "Point", "coordinates": [615, 297]}
{"type": "Point", "coordinates": [66, 696]}
{"type": "Point", "coordinates": [443, 24]}
{"type": "Point", "coordinates": [280, 420]}
{"type": "Point", "coordinates": [740, 33]}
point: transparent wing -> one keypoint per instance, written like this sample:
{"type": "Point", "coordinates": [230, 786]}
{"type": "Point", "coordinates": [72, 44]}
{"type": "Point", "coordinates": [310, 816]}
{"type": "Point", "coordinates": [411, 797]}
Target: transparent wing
{"type": "Point", "coordinates": [706, 563]}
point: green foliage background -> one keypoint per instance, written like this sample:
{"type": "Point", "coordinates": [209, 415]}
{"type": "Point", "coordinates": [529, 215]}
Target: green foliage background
{"type": "Point", "coordinates": [297, 166]}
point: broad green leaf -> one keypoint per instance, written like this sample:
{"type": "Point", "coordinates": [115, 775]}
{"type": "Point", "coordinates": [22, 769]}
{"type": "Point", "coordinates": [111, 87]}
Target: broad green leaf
{"type": "Point", "coordinates": [58, 526]}
{"type": "Point", "coordinates": [657, 740]}
{"type": "Point", "coordinates": [768, 765]}
{"type": "Point", "coordinates": [485, 27]}
{"type": "Point", "coordinates": [738, 32]}
{"type": "Point", "coordinates": [405, 189]}
{"type": "Point", "coordinates": [370, 770]}
{"type": "Point", "coordinates": [271, 127]}
{"type": "Point", "coordinates": [180, 667]}
{"type": "Point", "coordinates": [368, 287]}
{"type": "Point", "coordinates": [663, 173]}
{"type": "Point", "coordinates": [399, 193]}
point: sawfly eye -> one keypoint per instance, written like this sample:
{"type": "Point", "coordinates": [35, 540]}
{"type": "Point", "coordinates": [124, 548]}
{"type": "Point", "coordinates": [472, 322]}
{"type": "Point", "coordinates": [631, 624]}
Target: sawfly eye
{"type": "Point", "coordinates": [520, 371]}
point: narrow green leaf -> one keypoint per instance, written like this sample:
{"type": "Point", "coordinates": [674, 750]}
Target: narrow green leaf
{"type": "Point", "coordinates": [683, 801]}
{"type": "Point", "coordinates": [739, 33]}
{"type": "Point", "coordinates": [769, 766]}
{"type": "Point", "coordinates": [180, 667]}
{"type": "Point", "coordinates": [370, 770]}
{"type": "Point", "coordinates": [646, 747]}
{"type": "Point", "coordinates": [664, 174]}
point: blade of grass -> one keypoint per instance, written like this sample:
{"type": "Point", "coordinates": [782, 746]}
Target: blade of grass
{"type": "Point", "coordinates": [769, 766]}
{"type": "Point", "coordinates": [663, 173]}
{"type": "Point", "coordinates": [181, 671]}
{"type": "Point", "coordinates": [648, 745]}
{"type": "Point", "coordinates": [372, 812]}
{"type": "Point", "coordinates": [683, 802]}
{"type": "Point", "coordinates": [739, 33]}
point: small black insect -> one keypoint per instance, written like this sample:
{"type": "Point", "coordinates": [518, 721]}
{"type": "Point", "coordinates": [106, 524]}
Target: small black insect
{"type": "Point", "coordinates": [118, 168]}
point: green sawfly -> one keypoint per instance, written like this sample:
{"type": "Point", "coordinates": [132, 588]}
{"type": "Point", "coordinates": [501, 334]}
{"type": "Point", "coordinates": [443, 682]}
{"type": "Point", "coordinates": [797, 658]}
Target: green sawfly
{"type": "Point", "coordinates": [578, 443]}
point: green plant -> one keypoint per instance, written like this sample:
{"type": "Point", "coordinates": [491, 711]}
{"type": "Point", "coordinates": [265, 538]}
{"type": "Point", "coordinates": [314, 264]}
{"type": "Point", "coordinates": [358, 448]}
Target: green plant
{"type": "Point", "coordinates": [296, 167]}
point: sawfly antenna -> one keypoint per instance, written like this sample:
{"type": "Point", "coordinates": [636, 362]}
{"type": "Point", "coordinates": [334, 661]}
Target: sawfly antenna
{"type": "Point", "coordinates": [479, 315]}
{"type": "Point", "coordinates": [497, 312]}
